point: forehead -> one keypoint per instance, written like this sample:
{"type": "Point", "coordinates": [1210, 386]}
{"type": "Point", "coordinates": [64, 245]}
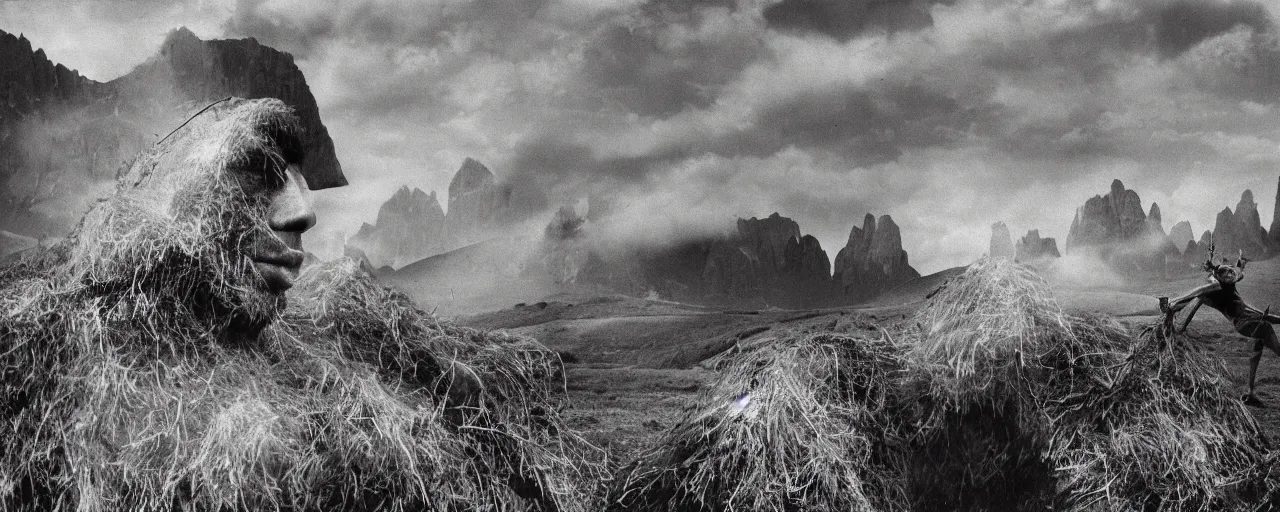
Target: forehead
{"type": "Point", "coordinates": [230, 138]}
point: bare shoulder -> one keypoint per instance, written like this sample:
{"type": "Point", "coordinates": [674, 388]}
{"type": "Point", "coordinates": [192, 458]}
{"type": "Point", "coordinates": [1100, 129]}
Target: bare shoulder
{"type": "Point", "coordinates": [1207, 288]}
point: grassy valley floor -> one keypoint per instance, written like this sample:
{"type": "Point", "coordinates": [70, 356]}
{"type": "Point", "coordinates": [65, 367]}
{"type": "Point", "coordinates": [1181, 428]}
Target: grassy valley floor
{"type": "Point", "coordinates": [635, 365]}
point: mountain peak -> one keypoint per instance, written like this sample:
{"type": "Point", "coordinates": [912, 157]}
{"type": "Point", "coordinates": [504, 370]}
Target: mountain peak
{"type": "Point", "coordinates": [472, 176]}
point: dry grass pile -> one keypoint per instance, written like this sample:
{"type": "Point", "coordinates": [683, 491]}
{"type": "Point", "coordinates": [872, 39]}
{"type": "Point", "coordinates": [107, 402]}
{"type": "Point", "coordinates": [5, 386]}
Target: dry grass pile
{"type": "Point", "coordinates": [354, 400]}
{"type": "Point", "coordinates": [793, 425]}
{"type": "Point", "coordinates": [973, 424]}
{"type": "Point", "coordinates": [141, 371]}
{"type": "Point", "coordinates": [978, 335]}
{"type": "Point", "coordinates": [1035, 408]}
{"type": "Point", "coordinates": [1149, 422]}
{"type": "Point", "coordinates": [992, 399]}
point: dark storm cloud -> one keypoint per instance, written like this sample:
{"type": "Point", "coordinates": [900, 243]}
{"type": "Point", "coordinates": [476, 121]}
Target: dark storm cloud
{"type": "Point", "coordinates": [1227, 49]}
{"type": "Point", "coordinates": [865, 126]}
{"type": "Point", "coordinates": [845, 19]}
{"type": "Point", "coordinates": [496, 23]}
{"type": "Point", "coordinates": [574, 168]}
{"type": "Point", "coordinates": [1094, 51]}
{"type": "Point", "coordinates": [860, 126]}
{"type": "Point", "coordinates": [1182, 24]}
{"type": "Point", "coordinates": [1078, 54]}
{"type": "Point", "coordinates": [299, 36]}
{"type": "Point", "coordinates": [1240, 66]}
{"type": "Point", "coordinates": [655, 62]}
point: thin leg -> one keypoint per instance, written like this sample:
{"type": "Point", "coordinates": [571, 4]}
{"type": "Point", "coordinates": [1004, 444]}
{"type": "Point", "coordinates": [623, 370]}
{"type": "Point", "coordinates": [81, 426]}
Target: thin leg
{"type": "Point", "coordinates": [1253, 368]}
{"type": "Point", "coordinates": [1267, 337]}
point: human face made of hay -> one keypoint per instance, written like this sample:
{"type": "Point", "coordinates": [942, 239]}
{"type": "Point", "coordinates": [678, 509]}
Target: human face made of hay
{"type": "Point", "coordinates": [277, 256]}
{"type": "Point", "coordinates": [210, 219]}
{"type": "Point", "coordinates": [268, 211]}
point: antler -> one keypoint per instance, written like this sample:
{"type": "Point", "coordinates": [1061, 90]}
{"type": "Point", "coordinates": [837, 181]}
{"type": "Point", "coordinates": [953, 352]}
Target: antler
{"type": "Point", "coordinates": [1209, 266]}
{"type": "Point", "coordinates": [1241, 260]}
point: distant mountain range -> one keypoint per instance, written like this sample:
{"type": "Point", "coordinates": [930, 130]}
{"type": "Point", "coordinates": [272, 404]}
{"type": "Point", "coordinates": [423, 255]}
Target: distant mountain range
{"type": "Point", "coordinates": [1115, 228]}
{"type": "Point", "coordinates": [63, 138]}
{"type": "Point", "coordinates": [761, 263]}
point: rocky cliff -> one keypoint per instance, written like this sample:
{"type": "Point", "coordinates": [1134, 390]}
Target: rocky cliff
{"type": "Point", "coordinates": [873, 259]}
{"type": "Point", "coordinates": [1275, 220]}
{"type": "Point", "coordinates": [1103, 221]}
{"type": "Point", "coordinates": [1115, 228]}
{"type": "Point", "coordinates": [767, 259]}
{"type": "Point", "coordinates": [412, 225]}
{"type": "Point", "coordinates": [1180, 234]}
{"type": "Point", "coordinates": [1154, 224]}
{"type": "Point", "coordinates": [62, 136]}
{"type": "Point", "coordinates": [1032, 248]}
{"type": "Point", "coordinates": [31, 81]}
{"type": "Point", "coordinates": [1242, 230]}
{"type": "Point", "coordinates": [565, 248]}
{"type": "Point", "coordinates": [761, 262]}
{"type": "Point", "coordinates": [1195, 252]}
{"type": "Point", "coordinates": [478, 205]}
{"type": "Point", "coordinates": [188, 69]}
{"type": "Point", "coordinates": [1001, 242]}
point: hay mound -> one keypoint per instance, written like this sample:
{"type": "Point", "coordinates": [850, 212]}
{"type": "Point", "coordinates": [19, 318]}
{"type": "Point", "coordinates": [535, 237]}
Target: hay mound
{"type": "Point", "coordinates": [793, 425]}
{"type": "Point", "coordinates": [143, 368]}
{"type": "Point", "coordinates": [973, 426]}
{"type": "Point", "coordinates": [1150, 423]}
{"type": "Point", "coordinates": [1071, 413]}
{"type": "Point", "coordinates": [351, 401]}
{"type": "Point", "coordinates": [981, 331]}
{"type": "Point", "coordinates": [992, 400]}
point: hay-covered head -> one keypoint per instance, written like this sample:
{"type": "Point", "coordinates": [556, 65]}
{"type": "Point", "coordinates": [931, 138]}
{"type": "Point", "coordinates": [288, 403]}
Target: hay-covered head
{"type": "Point", "coordinates": [214, 212]}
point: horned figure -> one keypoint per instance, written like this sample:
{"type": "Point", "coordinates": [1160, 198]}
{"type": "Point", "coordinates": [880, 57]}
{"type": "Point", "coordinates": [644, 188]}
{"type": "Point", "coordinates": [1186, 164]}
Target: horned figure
{"type": "Point", "coordinates": [1220, 293]}
{"type": "Point", "coordinates": [1211, 267]}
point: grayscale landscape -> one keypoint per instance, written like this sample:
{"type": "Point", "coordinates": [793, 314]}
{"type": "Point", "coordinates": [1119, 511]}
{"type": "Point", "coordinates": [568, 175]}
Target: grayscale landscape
{"type": "Point", "coordinates": [705, 255]}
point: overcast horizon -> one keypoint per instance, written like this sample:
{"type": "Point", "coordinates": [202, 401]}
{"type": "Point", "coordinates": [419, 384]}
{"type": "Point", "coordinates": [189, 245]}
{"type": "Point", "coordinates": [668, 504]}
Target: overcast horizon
{"type": "Point", "coordinates": [946, 115]}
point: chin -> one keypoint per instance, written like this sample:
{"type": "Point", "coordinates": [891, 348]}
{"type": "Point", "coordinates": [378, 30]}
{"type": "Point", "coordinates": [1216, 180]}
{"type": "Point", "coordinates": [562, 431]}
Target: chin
{"type": "Point", "coordinates": [254, 312]}
{"type": "Point", "coordinates": [248, 304]}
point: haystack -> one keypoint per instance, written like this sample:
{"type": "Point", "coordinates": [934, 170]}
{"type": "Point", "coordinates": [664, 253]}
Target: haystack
{"type": "Point", "coordinates": [973, 357]}
{"type": "Point", "coordinates": [793, 425]}
{"type": "Point", "coordinates": [991, 398]}
{"type": "Point", "coordinates": [133, 378]}
{"type": "Point", "coordinates": [1071, 413]}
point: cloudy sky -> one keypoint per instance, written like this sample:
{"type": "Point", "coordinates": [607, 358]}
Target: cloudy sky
{"type": "Point", "coordinates": [946, 114]}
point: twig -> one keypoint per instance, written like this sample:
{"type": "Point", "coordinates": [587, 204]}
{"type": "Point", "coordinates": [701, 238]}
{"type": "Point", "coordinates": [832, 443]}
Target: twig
{"type": "Point", "coordinates": [193, 116]}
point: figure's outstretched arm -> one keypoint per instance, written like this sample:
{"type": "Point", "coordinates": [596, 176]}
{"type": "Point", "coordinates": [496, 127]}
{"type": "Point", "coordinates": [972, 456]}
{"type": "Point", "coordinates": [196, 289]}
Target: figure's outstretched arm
{"type": "Point", "coordinates": [1178, 303]}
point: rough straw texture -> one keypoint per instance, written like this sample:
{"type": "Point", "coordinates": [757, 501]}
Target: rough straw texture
{"type": "Point", "coordinates": [129, 375]}
{"type": "Point", "coordinates": [793, 425]}
{"type": "Point", "coordinates": [1110, 419]}
{"type": "Point", "coordinates": [991, 399]}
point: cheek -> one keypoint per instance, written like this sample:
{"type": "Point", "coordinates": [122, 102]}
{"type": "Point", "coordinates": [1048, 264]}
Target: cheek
{"type": "Point", "coordinates": [219, 213]}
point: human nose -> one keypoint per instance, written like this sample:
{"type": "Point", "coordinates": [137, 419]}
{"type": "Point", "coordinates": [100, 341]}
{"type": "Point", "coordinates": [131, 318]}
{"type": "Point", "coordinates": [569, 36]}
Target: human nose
{"type": "Point", "coordinates": [291, 207]}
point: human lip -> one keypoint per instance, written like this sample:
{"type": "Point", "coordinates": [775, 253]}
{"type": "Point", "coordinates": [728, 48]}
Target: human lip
{"type": "Point", "coordinates": [279, 270]}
